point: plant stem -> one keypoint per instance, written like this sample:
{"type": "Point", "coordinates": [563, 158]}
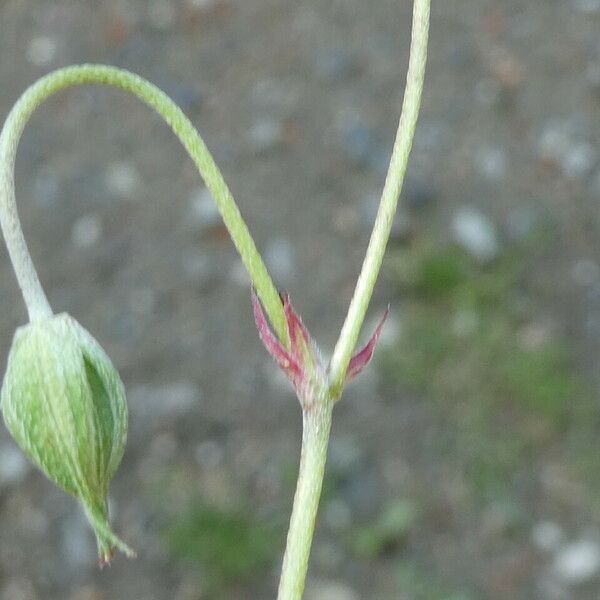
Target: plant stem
{"type": "Point", "coordinates": [37, 304]}
{"type": "Point", "coordinates": [389, 199]}
{"type": "Point", "coordinates": [315, 439]}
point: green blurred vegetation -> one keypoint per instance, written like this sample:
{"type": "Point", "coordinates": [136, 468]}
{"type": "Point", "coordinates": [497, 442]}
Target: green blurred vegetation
{"type": "Point", "coordinates": [419, 585]}
{"type": "Point", "coordinates": [469, 345]}
{"type": "Point", "coordinates": [387, 532]}
{"type": "Point", "coordinates": [229, 545]}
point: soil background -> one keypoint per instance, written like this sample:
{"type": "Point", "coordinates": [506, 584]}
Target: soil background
{"type": "Point", "coordinates": [299, 101]}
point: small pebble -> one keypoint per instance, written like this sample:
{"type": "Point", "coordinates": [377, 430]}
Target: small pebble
{"type": "Point", "coordinates": [280, 258]}
{"type": "Point", "coordinates": [492, 162]}
{"type": "Point", "coordinates": [476, 234]}
{"type": "Point", "coordinates": [547, 536]}
{"type": "Point", "coordinates": [86, 232]}
{"type": "Point", "coordinates": [578, 563]}
{"type": "Point", "coordinates": [41, 51]}
{"type": "Point", "coordinates": [122, 179]}
{"type": "Point", "coordinates": [203, 212]}
{"type": "Point", "coordinates": [562, 144]}
{"type": "Point", "coordinates": [330, 590]}
{"type": "Point", "coordinates": [579, 161]}
{"type": "Point", "coordinates": [266, 134]}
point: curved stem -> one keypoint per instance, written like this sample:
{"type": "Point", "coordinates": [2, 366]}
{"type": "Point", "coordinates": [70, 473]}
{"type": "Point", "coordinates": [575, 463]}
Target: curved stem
{"type": "Point", "coordinates": [389, 199]}
{"type": "Point", "coordinates": [315, 439]}
{"type": "Point", "coordinates": [37, 304]}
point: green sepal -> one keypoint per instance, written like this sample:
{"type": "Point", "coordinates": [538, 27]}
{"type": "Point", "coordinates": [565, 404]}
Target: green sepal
{"type": "Point", "coordinates": [64, 404]}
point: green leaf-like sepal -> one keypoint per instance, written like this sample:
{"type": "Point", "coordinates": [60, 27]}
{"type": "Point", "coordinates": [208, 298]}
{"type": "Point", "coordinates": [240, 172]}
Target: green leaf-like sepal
{"type": "Point", "coordinates": [64, 404]}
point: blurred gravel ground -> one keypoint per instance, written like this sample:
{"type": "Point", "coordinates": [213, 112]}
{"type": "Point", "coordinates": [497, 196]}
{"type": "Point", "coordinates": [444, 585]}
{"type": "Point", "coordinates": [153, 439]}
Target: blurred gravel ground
{"type": "Point", "coordinates": [299, 103]}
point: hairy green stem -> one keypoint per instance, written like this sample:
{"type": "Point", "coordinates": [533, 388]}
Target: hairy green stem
{"type": "Point", "coordinates": [33, 293]}
{"type": "Point", "coordinates": [389, 199]}
{"type": "Point", "coordinates": [315, 439]}
{"type": "Point", "coordinates": [317, 421]}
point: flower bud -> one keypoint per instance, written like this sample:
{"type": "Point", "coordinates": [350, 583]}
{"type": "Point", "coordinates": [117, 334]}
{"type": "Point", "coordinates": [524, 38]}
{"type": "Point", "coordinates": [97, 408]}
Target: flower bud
{"type": "Point", "coordinates": [64, 404]}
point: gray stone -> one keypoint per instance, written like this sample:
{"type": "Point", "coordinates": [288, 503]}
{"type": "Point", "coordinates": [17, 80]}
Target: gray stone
{"type": "Point", "coordinates": [476, 234]}
{"type": "Point", "coordinates": [563, 143]}
{"type": "Point", "coordinates": [239, 275]}
{"type": "Point", "coordinates": [86, 231]}
{"type": "Point", "coordinates": [547, 536]}
{"type": "Point", "coordinates": [266, 134]}
{"type": "Point", "coordinates": [154, 406]}
{"type": "Point", "coordinates": [492, 162]}
{"type": "Point", "coordinates": [41, 51]}
{"type": "Point", "coordinates": [122, 179]}
{"type": "Point", "coordinates": [578, 562]}
{"type": "Point", "coordinates": [330, 590]}
{"type": "Point", "coordinates": [579, 160]}
{"type": "Point", "coordinates": [280, 258]}
{"type": "Point", "coordinates": [203, 211]}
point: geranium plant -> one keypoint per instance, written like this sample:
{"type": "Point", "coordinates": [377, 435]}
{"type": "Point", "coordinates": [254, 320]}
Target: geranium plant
{"type": "Point", "coordinates": [63, 401]}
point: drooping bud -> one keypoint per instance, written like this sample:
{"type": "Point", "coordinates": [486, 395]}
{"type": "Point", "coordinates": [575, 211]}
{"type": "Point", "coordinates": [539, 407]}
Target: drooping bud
{"type": "Point", "coordinates": [64, 404]}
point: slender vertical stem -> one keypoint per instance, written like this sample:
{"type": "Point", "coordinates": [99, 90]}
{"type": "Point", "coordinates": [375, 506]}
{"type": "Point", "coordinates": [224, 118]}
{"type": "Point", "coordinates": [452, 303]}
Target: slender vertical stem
{"type": "Point", "coordinates": [389, 198]}
{"type": "Point", "coordinates": [37, 304]}
{"type": "Point", "coordinates": [315, 439]}
{"type": "Point", "coordinates": [33, 293]}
